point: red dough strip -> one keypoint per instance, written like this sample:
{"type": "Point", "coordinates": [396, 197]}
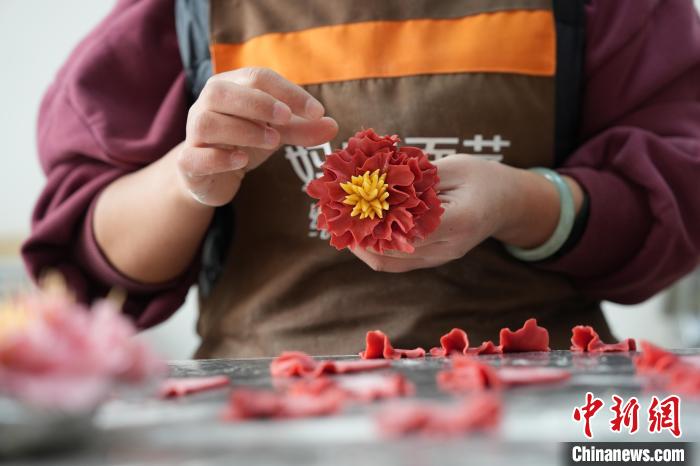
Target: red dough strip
{"type": "Point", "coordinates": [176, 387]}
{"type": "Point", "coordinates": [456, 341]}
{"type": "Point", "coordinates": [530, 337]}
{"type": "Point", "coordinates": [482, 412]}
{"type": "Point", "coordinates": [585, 339]}
{"type": "Point", "coordinates": [291, 364]}
{"type": "Point", "coordinates": [486, 347]}
{"type": "Point", "coordinates": [261, 404]}
{"type": "Point", "coordinates": [296, 363]}
{"type": "Point", "coordinates": [531, 375]}
{"type": "Point", "coordinates": [364, 388]}
{"type": "Point", "coordinates": [376, 387]}
{"type": "Point", "coordinates": [378, 346]}
{"type": "Point", "coordinates": [466, 374]}
{"type": "Point", "coordinates": [313, 397]}
{"type": "Point", "coordinates": [347, 367]}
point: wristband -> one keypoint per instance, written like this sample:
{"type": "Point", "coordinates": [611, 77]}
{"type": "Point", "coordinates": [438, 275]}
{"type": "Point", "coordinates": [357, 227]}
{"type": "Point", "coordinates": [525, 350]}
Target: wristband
{"type": "Point", "coordinates": [567, 215]}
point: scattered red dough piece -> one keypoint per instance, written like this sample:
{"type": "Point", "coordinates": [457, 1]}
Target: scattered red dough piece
{"type": "Point", "coordinates": [530, 337]}
{"type": "Point", "coordinates": [654, 358]}
{"type": "Point", "coordinates": [455, 341]}
{"type": "Point", "coordinates": [347, 367]}
{"type": "Point", "coordinates": [364, 388]}
{"type": "Point", "coordinates": [376, 387]}
{"type": "Point", "coordinates": [684, 378]}
{"type": "Point", "coordinates": [485, 348]}
{"type": "Point", "coordinates": [511, 376]}
{"type": "Point", "coordinates": [478, 413]}
{"type": "Point", "coordinates": [585, 339]}
{"type": "Point", "coordinates": [679, 374]}
{"type": "Point", "coordinates": [291, 364]}
{"type": "Point", "coordinates": [264, 404]}
{"type": "Point", "coordinates": [176, 387]}
{"type": "Point", "coordinates": [400, 204]}
{"type": "Point", "coordinates": [298, 364]}
{"type": "Point", "coordinates": [378, 346]}
{"type": "Point", "coordinates": [312, 387]}
{"type": "Point", "coordinates": [468, 373]}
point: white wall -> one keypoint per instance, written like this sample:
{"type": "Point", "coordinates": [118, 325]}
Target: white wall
{"type": "Point", "coordinates": [35, 38]}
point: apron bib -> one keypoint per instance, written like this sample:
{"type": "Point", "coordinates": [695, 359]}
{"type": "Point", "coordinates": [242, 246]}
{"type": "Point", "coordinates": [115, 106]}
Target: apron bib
{"type": "Point", "coordinates": [470, 76]}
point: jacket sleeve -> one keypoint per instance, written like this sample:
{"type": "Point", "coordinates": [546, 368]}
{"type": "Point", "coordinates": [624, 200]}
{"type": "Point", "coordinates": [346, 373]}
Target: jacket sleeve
{"type": "Point", "coordinates": [118, 104]}
{"type": "Point", "coordinates": [640, 164]}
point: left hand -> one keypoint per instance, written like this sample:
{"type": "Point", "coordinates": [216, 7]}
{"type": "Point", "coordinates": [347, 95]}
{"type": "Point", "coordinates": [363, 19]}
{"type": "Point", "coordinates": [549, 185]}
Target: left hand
{"type": "Point", "coordinates": [482, 199]}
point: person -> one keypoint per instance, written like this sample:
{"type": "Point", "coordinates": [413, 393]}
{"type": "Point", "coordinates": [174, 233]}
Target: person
{"type": "Point", "coordinates": [141, 166]}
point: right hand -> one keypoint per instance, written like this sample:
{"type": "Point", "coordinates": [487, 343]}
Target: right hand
{"type": "Point", "coordinates": [239, 120]}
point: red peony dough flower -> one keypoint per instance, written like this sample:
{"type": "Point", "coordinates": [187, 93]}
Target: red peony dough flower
{"type": "Point", "coordinates": [376, 194]}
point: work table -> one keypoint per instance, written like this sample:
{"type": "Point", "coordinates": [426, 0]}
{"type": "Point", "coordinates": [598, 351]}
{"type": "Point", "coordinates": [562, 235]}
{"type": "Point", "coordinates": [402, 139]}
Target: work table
{"type": "Point", "coordinates": [134, 429]}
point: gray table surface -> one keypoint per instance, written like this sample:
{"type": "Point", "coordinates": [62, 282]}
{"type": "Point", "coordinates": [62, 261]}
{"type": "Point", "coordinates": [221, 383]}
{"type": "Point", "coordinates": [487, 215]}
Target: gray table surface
{"type": "Point", "coordinates": [138, 429]}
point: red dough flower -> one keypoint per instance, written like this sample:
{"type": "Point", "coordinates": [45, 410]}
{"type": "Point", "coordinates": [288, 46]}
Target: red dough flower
{"type": "Point", "coordinates": [59, 354]}
{"type": "Point", "coordinates": [376, 194]}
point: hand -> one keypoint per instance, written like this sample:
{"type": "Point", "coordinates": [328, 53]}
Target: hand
{"type": "Point", "coordinates": [482, 199]}
{"type": "Point", "coordinates": [239, 120]}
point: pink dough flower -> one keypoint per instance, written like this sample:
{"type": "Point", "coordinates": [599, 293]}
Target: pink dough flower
{"type": "Point", "coordinates": [56, 353]}
{"type": "Point", "coordinates": [376, 194]}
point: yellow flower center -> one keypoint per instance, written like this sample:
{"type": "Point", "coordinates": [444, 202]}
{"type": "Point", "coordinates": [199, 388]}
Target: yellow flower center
{"type": "Point", "coordinates": [368, 193]}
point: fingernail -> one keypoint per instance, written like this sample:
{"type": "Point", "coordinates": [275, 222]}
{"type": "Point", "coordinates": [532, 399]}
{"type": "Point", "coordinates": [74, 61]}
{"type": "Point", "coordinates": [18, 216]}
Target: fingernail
{"type": "Point", "coordinates": [271, 137]}
{"type": "Point", "coordinates": [314, 110]}
{"type": "Point", "coordinates": [238, 160]}
{"type": "Point", "coordinates": [281, 113]}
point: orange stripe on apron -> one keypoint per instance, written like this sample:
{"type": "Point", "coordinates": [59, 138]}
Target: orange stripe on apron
{"type": "Point", "coordinates": [521, 41]}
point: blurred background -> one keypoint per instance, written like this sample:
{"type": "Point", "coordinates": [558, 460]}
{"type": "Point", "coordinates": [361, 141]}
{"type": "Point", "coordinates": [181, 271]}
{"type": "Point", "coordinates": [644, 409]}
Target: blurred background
{"type": "Point", "coordinates": [47, 35]}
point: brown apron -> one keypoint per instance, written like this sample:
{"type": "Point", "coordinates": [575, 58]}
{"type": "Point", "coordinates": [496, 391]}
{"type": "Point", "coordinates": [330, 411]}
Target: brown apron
{"type": "Point", "coordinates": [470, 76]}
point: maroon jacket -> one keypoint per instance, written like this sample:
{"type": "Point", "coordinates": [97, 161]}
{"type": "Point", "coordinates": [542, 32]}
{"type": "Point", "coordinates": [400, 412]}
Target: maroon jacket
{"type": "Point", "coordinates": [119, 103]}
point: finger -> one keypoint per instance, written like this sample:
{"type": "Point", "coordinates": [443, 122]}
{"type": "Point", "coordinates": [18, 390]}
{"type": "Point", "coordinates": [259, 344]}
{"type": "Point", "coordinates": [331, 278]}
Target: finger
{"type": "Point", "coordinates": [450, 171]}
{"type": "Point", "coordinates": [299, 100]}
{"type": "Point", "coordinates": [230, 98]}
{"type": "Point", "coordinates": [301, 132]}
{"type": "Point", "coordinates": [434, 249]}
{"type": "Point", "coordinates": [382, 263]}
{"type": "Point", "coordinates": [215, 190]}
{"type": "Point", "coordinates": [206, 128]}
{"type": "Point", "coordinates": [196, 162]}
